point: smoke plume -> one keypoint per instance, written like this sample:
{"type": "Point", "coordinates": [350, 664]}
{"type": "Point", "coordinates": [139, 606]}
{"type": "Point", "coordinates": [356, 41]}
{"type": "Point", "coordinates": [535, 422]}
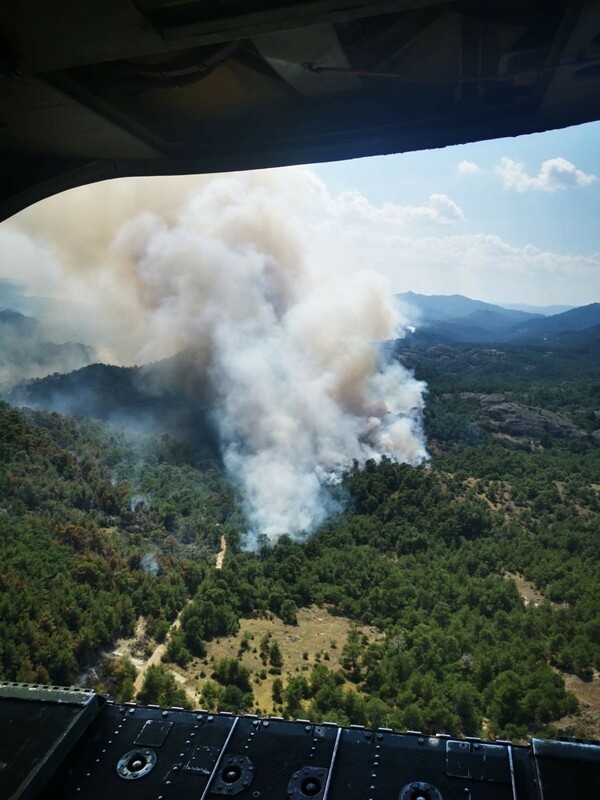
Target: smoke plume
{"type": "Point", "coordinates": [285, 341]}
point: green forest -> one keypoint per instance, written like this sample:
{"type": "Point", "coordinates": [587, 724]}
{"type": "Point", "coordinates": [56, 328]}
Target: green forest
{"type": "Point", "coordinates": [99, 527]}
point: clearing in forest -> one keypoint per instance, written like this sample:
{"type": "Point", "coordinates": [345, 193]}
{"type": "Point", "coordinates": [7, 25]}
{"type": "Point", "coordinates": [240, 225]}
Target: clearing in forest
{"type": "Point", "coordinates": [320, 633]}
{"type": "Point", "coordinates": [585, 722]}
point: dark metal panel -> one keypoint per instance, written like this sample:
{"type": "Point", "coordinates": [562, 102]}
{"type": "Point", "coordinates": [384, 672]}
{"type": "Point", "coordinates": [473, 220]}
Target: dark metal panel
{"type": "Point", "coordinates": [40, 118]}
{"type": "Point", "coordinates": [78, 93]}
{"type": "Point", "coordinates": [564, 33]}
{"type": "Point", "coordinates": [64, 33]}
{"type": "Point", "coordinates": [285, 16]}
{"type": "Point", "coordinates": [288, 51]}
{"type": "Point", "coordinates": [39, 726]}
{"type": "Point", "coordinates": [194, 755]}
{"type": "Point", "coordinates": [567, 769]}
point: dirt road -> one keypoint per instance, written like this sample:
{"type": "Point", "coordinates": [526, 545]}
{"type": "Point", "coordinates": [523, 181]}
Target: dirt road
{"type": "Point", "coordinates": [155, 657]}
{"type": "Point", "coordinates": [126, 646]}
{"type": "Point", "coordinates": [221, 553]}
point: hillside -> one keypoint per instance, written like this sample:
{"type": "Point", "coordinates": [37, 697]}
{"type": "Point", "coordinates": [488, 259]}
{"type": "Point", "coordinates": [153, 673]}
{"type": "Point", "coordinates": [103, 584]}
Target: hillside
{"type": "Point", "coordinates": [165, 397]}
{"type": "Point", "coordinates": [170, 396]}
{"type": "Point", "coordinates": [25, 350]}
{"type": "Point", "coordinates": [577, 319]}
{"type": "Point", "coordinates": [443, 308]}
{"type": "Point", "coordinates": [427, 573]}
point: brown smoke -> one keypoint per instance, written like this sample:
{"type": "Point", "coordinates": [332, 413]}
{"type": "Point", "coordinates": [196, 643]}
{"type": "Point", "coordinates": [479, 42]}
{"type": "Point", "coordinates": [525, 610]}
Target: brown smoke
{"type": "Point", "coordinates": [149, 267]}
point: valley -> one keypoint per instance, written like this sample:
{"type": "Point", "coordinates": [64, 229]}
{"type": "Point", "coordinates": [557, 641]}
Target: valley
{"type": "Point", "coordinates": [459, 595]}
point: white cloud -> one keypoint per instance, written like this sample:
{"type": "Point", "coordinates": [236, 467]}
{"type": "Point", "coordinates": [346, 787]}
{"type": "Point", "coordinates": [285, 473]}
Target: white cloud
{"type": "Point", "coordinates": [486, 266]}
{"type": "Point", "coordinates": [467, 168]}
{"type": "Point", "coordinates": [353, 206]}
{"type": "Point", "coordinates": [555, 174]}
{"type": "Point", "coordinates": [439, 210]}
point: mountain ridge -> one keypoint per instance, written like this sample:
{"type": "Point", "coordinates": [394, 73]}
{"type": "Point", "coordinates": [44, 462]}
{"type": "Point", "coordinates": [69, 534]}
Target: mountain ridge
{"type": "Point", "coordinates": [456, 318]}
{"type": "Point", "coordinates": [441, 307]}
{"type": "Point", "coordinates": [166, 396]}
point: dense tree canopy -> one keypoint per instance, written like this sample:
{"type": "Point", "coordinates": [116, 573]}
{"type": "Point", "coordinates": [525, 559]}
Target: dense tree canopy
{"type": "Point", "coordinates": [98, 528]}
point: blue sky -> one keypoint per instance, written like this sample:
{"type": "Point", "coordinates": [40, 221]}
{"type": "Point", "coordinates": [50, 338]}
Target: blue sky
{"type": "Point", "coordinates": [529, 207]}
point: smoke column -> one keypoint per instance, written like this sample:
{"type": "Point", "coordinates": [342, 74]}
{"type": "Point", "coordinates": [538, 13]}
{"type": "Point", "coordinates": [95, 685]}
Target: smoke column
{"type": "Point", "coordinates": [289, 349]}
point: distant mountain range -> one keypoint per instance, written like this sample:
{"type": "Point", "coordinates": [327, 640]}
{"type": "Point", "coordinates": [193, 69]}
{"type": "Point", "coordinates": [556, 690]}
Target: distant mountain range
{"type": "Point", "coordinates": [547, 311]}
{"type": "Point", "coordinates": [455, 318]}
{"type": "Point", "coordinates": [444, 307]}
{"type": "Point", "coordinates": [171, 395]}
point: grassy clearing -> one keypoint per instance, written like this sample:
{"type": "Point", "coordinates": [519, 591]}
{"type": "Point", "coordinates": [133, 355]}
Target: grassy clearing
{"type": "Point", "coordinates": [320, 633]}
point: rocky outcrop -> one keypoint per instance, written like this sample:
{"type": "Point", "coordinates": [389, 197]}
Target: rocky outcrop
{"type": "Point", "coordinates": [517, 420]}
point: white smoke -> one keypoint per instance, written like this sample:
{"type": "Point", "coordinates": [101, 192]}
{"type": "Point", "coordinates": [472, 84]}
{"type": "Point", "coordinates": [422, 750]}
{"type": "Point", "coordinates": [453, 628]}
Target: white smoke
{"type": "Point", "coordinates": [289, 350]}
{"type": "Point", "coordinates": [149, 563]}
